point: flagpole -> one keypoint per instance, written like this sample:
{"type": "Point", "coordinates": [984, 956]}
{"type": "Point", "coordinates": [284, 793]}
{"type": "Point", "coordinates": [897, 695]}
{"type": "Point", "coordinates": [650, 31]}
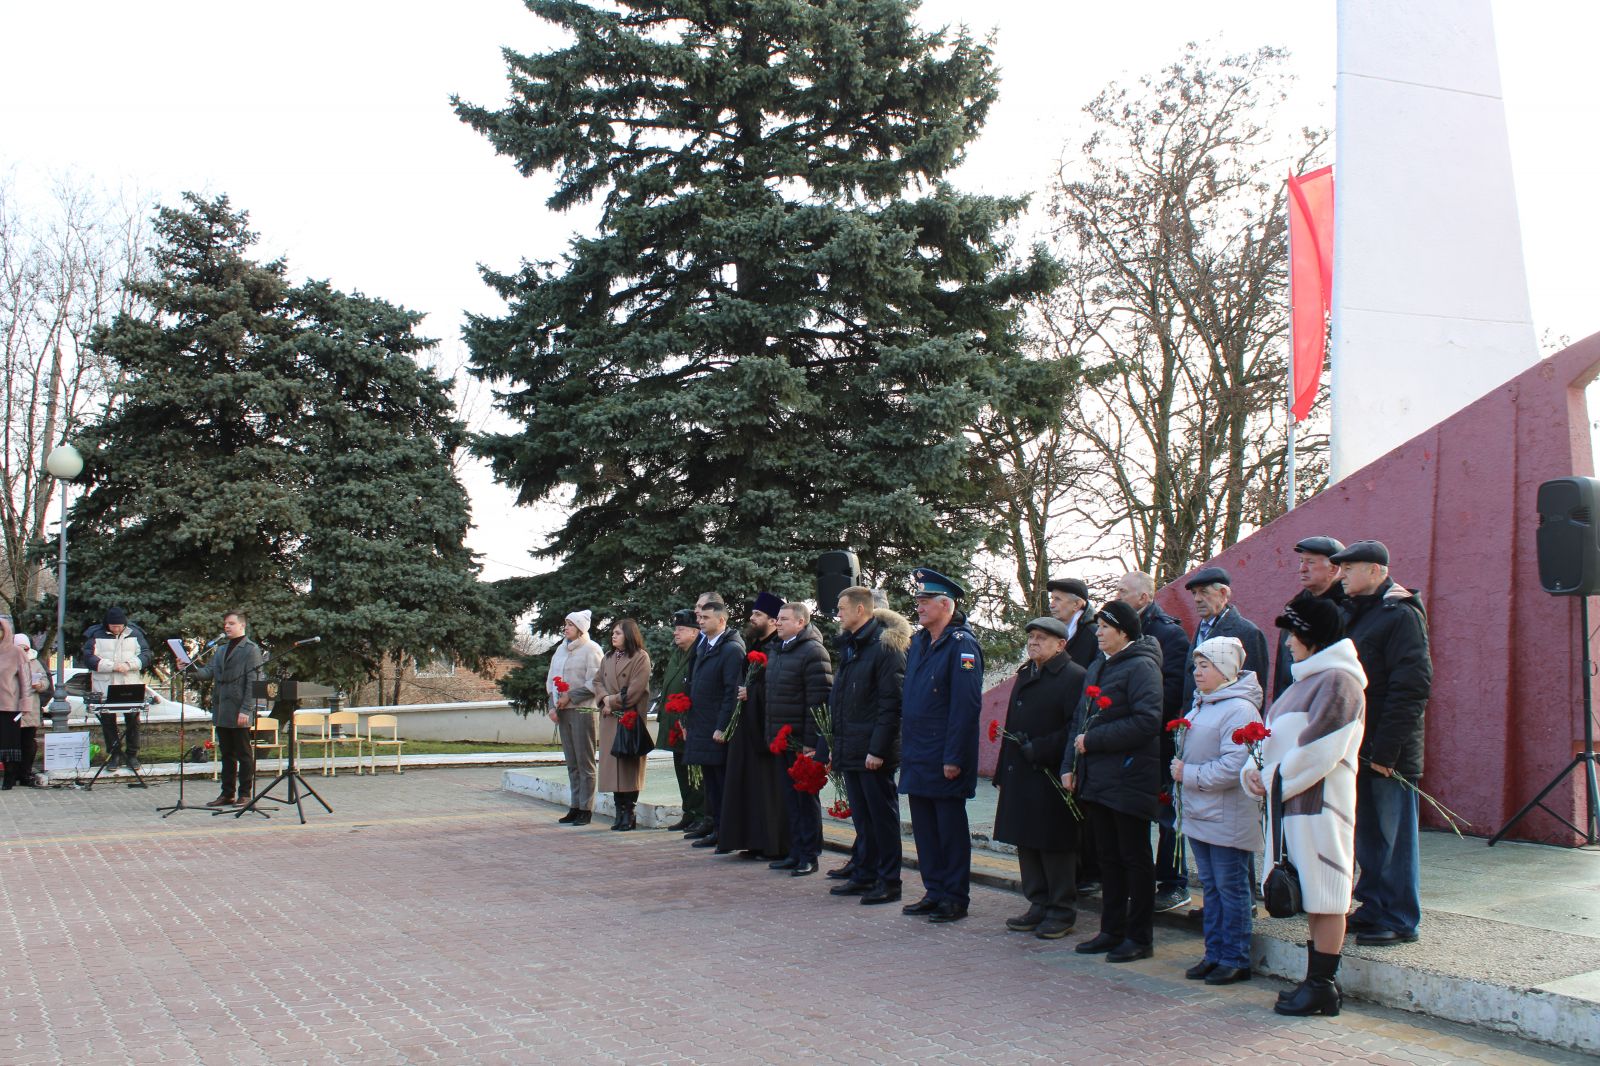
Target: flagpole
{"type": "Point", "coordinates": [1289, 209]}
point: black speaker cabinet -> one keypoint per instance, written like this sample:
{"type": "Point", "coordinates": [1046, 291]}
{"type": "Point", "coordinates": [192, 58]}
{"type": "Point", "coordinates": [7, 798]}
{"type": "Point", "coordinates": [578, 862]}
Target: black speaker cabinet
{"type": "Point", "coordinates": [836, 571]}
{"type": "Point", "coordinates": [1569, 539]}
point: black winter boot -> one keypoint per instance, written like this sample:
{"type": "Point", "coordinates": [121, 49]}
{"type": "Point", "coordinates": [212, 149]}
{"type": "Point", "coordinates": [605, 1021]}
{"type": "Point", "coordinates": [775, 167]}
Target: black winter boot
{"type": "Point", "coordinates": [619, 821]}
{"type": "Point", "coordinates": [568, 818]}
{"type": "Point", "coordinates": [1319, 993]}
{"type": "Point", "coordinates": [583, 818]}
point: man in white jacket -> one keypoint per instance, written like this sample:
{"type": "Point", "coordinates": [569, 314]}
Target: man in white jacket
{"type": "Point", "coordinates": [118, 654]}
{"type": "Point", "coordinates": [572, 708]}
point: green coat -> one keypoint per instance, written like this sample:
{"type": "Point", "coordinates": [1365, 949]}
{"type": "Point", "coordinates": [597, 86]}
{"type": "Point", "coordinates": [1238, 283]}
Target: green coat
{"type": "Point", "coordinates": [674, 680]}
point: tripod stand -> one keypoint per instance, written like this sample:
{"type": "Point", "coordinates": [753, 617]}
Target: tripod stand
{"type": "Point", "coordinates": [1585, 758]}
{"type": "Point", "coordinates": [183, 742]}
{"type": "Point", "coordinates": [115, 751]}
{"type": "Point", "coordinates": [289, 776]}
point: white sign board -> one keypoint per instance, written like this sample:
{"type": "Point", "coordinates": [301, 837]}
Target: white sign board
{"type": "Point", "coordinates": [66, 751]}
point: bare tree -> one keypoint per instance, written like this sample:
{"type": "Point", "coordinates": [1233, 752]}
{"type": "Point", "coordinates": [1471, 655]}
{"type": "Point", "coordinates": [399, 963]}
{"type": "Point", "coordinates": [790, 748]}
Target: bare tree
{"type": "Point", "coordinates": [63, 270]}
{"type": "Point", "coordinates": [1172, 228]}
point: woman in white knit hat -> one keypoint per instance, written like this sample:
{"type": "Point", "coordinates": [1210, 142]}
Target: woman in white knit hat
{"type": "Point", "coordinates": [575, 663]}
{"type": "Point", "coordinates": [1221, 821]}
{"type": "Point", "coordinates": [1316, 734]}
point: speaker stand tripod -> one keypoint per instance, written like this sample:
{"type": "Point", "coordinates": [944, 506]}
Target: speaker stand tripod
{"type": "Point", "coordinates": [290, 777]}
{"type": "Point", "coordinates": [115, 752]}
{"type": "Point", "coordinates": [1584, 759]}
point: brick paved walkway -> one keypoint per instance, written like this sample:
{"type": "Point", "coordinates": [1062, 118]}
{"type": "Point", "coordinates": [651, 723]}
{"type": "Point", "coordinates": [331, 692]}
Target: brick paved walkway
{"type": "Point", "coordinates": [433, 918]}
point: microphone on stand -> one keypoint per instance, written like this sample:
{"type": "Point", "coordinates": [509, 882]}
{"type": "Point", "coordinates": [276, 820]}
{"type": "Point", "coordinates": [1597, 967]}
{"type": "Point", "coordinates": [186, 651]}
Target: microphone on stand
{"type": "Point", "coordinates": [307, 642]}
{"type": "Point", "coordinates": [220, 638]}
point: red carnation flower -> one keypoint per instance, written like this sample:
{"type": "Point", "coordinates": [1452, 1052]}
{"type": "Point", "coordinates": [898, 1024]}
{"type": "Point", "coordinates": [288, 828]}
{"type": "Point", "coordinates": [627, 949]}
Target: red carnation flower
{"type": "Point", "coordinates": [678, 703]}
{"type": "Point", "coordinates": [780, 743]}
{"type": "Point", "coordinates": [1254, 733]}
{"type": "Point", "coordinates": [840, 809]}
{"type": "Point", "coordinates": [560, 685]}
{"type": "Point", "coordinates": [757, 658]}
{"type": "Point", "coordinates": [1103, 702]}
{"type": "Point", "coordinates": [1093, 692]}
{"type": "Point", "coordinates": [675, 736]}
{"type": "Point", "coordinates": [210, 745]}
{"type": "Point", "coordinates": [994, 730]}
{"type": "Point", "coordinates": [1165, 798]}
{"type": "Point", "coordinates": [630, 719]}
{"type": "Point", "coordinates": [808, 775]}
{"type": "Point", "coordinates": [1178, 723]}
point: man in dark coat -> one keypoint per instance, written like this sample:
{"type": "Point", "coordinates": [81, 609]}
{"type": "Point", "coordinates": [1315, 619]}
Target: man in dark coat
{"type": "Point", "coordinates": [1138, 590]}
{"type": "Point", "coordinates": [753, 819]}
{"type": "Point", "coordinates": [1069, 602]}
{"type": "Point", "coordinates": [675, 682]}
{"type": "Point", "coordinates": [799, 676]}
{"type": "Point", "coordinates": [1113, 766]}
{"type": "Point", "coordinates": [1391, 638]}
{"type": "Point", "coordinates": [1319, 579]}
{"type": "Point", "coordinates": [1031, 813]}
{"type": "Point", "coordinates": [232, 670]}
{"type": "Point", "coordinates": [939, 745]}
{"type": "Point", "coordinates": [1212, 589]}
{"type": "Point", "coordinates": [714, 679]}
{"type": "Point", "coordinates": [864, 711]}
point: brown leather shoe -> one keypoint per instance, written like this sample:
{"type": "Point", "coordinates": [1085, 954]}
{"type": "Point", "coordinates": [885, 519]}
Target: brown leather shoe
{"type": "Point", "coordinates": [221, 801]}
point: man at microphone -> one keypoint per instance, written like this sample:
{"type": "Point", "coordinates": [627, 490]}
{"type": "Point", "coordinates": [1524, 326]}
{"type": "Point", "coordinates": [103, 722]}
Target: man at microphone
{"type": "Point", "coordinates": [231, 671]}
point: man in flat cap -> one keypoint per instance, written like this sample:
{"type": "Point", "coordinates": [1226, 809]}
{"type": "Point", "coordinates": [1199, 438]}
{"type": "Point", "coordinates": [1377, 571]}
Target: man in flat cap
{"type": "Point", "coordinates": [1391, 637]}
{"type": "Point", "coordinates": [670, 726]}
{"type": "Point", "coordinates": [939, 745]}
{"type": "Point", "coordinates": [1212, 589]}
{"type": "Point", "coordinates": [1031, 813]}
{"type": "Point", "coordinates": [1069, 602]}
{"type": "Point", "coordinates": [1319, 580]}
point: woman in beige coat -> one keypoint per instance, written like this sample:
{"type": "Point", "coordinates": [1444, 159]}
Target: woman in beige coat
{"type": "Point", "coordinates": [622, 685]}
{"type": "Point", "coordinates": [19, 710]}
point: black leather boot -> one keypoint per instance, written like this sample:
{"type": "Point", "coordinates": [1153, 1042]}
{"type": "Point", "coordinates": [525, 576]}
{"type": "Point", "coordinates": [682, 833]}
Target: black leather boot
{"type": "Point", "coordinates": [1319, 993]}
{"type": "Point", "coordinates": [568, 818]}
{"type": "Point", "coordinates": [583, 818]}
{"type": "Point", "coordinates": [633, 816]}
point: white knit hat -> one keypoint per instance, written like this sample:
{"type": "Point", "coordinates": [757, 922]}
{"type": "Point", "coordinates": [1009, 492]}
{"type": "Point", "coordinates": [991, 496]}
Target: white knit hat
{"type": "Point", "coordinates": [1225, 653]}
{"type": "Point", "coordinates": [581, 620]}
{"type": "Point", "coordinates": [21, 640]}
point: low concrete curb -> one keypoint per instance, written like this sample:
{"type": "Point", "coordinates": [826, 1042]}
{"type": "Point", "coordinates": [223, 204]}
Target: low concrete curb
{"type": "Point", "coordinates": [1541, 1014]}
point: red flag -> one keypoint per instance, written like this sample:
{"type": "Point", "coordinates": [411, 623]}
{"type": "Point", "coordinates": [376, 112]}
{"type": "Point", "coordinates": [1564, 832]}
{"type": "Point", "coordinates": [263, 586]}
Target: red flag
{"type": "Point", "coordinates": [1310, 281]}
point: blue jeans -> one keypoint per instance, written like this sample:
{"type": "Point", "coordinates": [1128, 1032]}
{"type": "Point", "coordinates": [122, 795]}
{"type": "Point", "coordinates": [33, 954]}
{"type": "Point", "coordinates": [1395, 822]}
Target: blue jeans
{"type": "Point", "coordinates": [1229, 906]}
{"type": "Point", "coordinates": [1388, 888]}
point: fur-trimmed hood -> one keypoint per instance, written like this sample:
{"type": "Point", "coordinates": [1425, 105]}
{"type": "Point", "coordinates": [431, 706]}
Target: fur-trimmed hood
{"type": "Point", "coordinates": [896, 629]}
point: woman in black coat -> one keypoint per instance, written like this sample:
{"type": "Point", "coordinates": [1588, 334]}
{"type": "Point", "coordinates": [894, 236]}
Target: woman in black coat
{"type": "Point", "coordinates": [1032, 813]}
{"type": "Point", "coordinates": [1114, 765]}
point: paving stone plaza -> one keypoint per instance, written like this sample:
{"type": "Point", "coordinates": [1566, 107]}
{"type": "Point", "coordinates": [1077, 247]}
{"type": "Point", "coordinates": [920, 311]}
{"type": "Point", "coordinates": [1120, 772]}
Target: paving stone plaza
{"type": "Point", "coordinates": [435, 917]}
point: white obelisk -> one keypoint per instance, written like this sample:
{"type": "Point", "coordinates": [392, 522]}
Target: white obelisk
{"type": "Point", "coordinates": [1430, 299]}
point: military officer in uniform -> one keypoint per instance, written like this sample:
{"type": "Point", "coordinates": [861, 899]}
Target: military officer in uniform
{"type": "Point", "coordinates": [939, 745]}
{"type": "Point", "coordinates": [674, 682]}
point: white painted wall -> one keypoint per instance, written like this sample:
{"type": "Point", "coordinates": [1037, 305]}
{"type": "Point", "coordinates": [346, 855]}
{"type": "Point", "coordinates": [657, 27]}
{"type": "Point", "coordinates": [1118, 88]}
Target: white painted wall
{"type": "Point", "coordinates": [1430, 298]}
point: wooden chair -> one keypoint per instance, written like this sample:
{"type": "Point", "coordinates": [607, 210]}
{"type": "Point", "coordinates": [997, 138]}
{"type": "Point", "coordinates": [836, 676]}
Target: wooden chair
{"type": "Point", "coordinates": [264, 737]}
{"type": "Point", "coordinates": [351, 722]}
{"type": "Point", "coordinates": [384, 721]}
{"type": "Point", "coordinates": [311, 727]}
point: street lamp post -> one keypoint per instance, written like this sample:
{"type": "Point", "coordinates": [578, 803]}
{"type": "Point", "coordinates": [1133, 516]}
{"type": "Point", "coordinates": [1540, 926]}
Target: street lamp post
{"type": "Point", "coordinates": [64, 464]}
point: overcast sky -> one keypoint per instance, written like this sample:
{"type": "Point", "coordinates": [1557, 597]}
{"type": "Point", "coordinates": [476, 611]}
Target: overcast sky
{"type": "Point", "coordinates": [330, 123]}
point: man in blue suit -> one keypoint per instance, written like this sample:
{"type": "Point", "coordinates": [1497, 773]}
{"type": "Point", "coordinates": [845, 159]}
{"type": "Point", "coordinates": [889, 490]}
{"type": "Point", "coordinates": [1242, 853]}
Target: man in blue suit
{"type": "Point", "coordinates": [939, 745]}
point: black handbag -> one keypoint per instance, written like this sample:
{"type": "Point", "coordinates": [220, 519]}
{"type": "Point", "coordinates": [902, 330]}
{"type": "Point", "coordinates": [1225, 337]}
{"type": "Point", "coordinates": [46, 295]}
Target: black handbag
{"type": "Point", "coordinates": [1281, 890]}
{"type": "Point", "coordinates": [633, 743]}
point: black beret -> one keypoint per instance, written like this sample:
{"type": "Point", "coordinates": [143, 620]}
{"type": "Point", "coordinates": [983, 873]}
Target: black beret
{"type": "Point", "coordinates": [1069, 585]}
{"type": "Point", "coordinates": [1211, 575]}
{"type": "Point", "coordinates": [1122, 616]}
{"type": "Point", "coordinates": [1316, 621]}
{"type": "Point", "coordinates": [1364, 551]}
{"type": "Point", "coordinates": [1320, 546]}
{"type": "Point", "coordinates": [685, 617]}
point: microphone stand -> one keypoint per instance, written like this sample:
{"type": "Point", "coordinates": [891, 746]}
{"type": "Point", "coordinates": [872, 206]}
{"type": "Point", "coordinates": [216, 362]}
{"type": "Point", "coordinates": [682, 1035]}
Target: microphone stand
{"type": "Point", "coordinates": [176, 687]}
{"type": "Point", "coordinates": [290, 776]}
